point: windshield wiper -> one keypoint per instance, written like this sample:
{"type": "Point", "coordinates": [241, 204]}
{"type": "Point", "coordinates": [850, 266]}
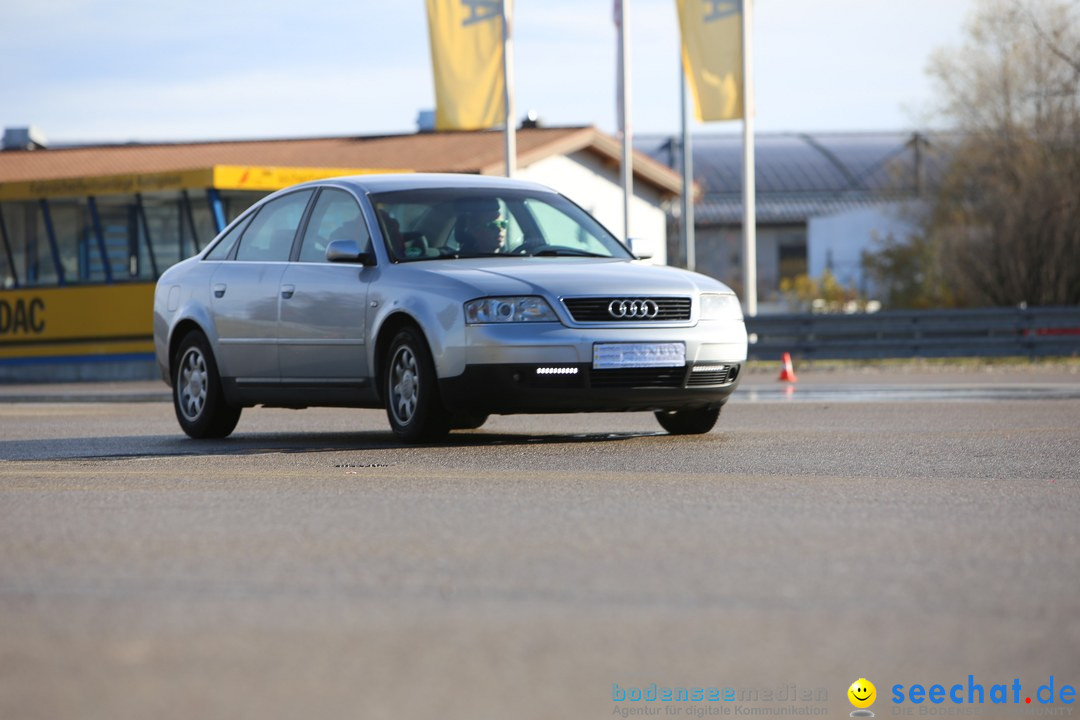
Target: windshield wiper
{"type": "Point", "coordinates": [567, 252]}
{"type": "Point", "coordinates": [458, 256]}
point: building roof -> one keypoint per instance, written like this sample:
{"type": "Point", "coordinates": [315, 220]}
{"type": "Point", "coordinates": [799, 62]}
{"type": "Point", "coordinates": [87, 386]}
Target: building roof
{"type": "Point", "coordinates": [456, 152]}
{"type": "Point", "coordinates": [798, 176]}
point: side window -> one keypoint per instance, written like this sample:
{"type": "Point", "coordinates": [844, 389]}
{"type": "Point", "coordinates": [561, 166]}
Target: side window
{"type": "Point", "coordinates": [269, 236]}
{"type": "Point", "coordinates": [336, 217]}
{"type": "Point", "coordinates": [225, 245]}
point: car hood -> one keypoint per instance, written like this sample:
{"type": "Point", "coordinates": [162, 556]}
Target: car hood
{"type": "Point", "coordinates": [569, 277]}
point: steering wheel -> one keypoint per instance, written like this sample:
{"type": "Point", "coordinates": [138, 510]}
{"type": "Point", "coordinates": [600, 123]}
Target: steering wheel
{"type": "Point", "coordinates": [529, 245]}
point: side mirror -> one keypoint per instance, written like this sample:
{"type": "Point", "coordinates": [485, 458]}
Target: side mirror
{"type": "Point", "coordinates": [633, 244]}
{"type": "Point", "coordinates": [347, 251]}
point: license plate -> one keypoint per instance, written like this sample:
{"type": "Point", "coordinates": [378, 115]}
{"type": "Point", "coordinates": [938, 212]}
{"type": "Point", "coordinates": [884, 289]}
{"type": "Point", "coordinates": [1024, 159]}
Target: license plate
{"type": "Point", "coordinates": [610, 356]}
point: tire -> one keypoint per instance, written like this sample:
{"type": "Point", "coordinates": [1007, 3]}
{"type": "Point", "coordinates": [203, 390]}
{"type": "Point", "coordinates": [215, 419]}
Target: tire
{"type": "Point", "coordinates": [411, 389]}
{"type": "Point", "coordinates": [688, 422]}
{"type": "Point", "coordinates": [197, 395]}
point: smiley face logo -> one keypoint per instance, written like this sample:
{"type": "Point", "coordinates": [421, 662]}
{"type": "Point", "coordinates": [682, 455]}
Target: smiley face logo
{"type": "Point", "coordinates": [862, 693]}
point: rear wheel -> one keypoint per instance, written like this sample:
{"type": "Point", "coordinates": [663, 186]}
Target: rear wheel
{"type": "Point", "coordinates": [197, 395]}
{"type": "Point", "coordinates": [413, 405]}
{"type": "Point", "coordinates": [688, 422]}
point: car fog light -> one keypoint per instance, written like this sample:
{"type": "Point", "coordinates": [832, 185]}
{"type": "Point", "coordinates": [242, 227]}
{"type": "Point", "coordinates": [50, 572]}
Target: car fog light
{"type": "Point", "coordinates": [708, 368]}
{"type": "Point", "coordinates": [556, 371]}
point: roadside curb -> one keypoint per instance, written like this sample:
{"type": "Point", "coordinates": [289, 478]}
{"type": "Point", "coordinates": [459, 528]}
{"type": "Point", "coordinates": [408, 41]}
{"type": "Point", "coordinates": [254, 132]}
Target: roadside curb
{"type": "Point", "coordinates": [115, 392]}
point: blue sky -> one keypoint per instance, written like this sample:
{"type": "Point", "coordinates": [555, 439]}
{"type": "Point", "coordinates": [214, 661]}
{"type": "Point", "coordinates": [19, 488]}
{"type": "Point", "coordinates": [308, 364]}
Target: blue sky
{"type": "Point", "coordinates": [138, 70]}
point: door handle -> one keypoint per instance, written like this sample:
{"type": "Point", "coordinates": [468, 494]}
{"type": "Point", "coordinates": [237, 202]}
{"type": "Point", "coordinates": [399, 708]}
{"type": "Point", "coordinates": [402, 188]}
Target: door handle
{"type": "Point", "coordinates": [287, 291]}
{"type": "Point", "coordinates": [219, 290]}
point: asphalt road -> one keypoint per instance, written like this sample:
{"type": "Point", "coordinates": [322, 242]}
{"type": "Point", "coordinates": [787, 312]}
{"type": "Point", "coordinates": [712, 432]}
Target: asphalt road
{"type": "Point", "coordinates": [902, 529]}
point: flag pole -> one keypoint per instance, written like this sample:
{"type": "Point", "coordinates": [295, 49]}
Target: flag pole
{"type": "Point", "coordinates": [749, 190]}
{"type": "Point", "coordinates": [510, 132]}
{"type": "Point", "coordinates": [689, 241]}
{"type": "Point", "coordinates": [623, 7]}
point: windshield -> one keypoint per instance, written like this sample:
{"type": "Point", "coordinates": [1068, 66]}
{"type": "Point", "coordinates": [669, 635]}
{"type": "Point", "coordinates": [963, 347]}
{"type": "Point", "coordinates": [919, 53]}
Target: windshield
{"type": "Point", "coordinates": [429, 224]}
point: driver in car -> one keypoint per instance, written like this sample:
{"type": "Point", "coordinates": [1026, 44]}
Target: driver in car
{"type": "Point", "coordinates": [480, 228]}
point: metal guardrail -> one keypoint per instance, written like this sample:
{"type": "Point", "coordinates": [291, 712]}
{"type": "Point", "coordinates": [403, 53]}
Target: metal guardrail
{"type": "Point", "coordinates": [1031, 332]}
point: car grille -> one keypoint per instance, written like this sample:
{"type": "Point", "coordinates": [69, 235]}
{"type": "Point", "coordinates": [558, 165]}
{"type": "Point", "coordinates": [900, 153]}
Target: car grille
{"type": "Point", "coordinates": [595, 309]}
{"type": "Point", "coordinates": [667, 377]}
{"type": "Point", "coordinates": [638, 378]}
{"type": "Point", "coordinates": [660, 377]}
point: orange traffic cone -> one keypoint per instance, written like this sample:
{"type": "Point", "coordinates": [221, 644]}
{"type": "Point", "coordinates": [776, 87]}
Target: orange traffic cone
{"type": "Point", "coordinates": [787, 372]}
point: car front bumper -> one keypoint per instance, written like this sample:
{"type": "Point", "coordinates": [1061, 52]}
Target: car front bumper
{"type": "Point", "coordinates": [522, 368]}
{"type": "Point", "coordinates": [531, 388]}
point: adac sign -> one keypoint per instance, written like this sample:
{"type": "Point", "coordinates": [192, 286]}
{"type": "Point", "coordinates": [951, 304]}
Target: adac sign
{"type": "Point", "coordinates": [22, 316]}
{"type": "Point", "coordinates": [77, 320]}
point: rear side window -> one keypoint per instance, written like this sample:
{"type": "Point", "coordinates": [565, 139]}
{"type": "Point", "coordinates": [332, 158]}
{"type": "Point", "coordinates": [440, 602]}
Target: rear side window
{"type": "Point", "coordinates": [225, 245]}
{"type": "Point", "coordinates": [269, 237]}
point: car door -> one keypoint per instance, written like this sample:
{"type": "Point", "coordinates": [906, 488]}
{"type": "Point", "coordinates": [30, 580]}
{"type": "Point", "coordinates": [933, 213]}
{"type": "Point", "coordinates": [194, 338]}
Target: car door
{"type": "Point", "coordinates": [245, 291]}
{"type": "Point", "coordinates": [324, 305]}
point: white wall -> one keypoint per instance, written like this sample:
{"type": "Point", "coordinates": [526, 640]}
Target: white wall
{"type": "Point", "coordinates": [590, 183]}
{"type": "Point", "coordinates": [840, 239]}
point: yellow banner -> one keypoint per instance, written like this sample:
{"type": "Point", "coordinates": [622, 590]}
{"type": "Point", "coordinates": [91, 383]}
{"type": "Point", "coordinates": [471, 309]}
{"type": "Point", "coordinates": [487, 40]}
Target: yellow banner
{"type": "Point", "coordinates": [712, 56]}
{"type": "Point", "coordinates": [467, 61]}
{"type": "Point", "coordinates": [81, 320]}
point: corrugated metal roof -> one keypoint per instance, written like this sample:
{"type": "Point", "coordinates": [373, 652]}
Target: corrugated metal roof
{"type": "Point", "coordinates": [781, 209]}
{"type": "Point", "coordinates": [799, 176]}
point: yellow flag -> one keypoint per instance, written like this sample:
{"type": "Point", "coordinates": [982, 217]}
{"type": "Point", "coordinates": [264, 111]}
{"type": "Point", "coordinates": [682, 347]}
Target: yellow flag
{"type": "Point", "coordinates": [467, 58]}
{"type": "Point", "coordinates": [712, 47]}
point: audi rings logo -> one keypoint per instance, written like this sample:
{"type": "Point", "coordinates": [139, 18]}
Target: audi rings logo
{"type": "Point", "coordinates": [633, 309]}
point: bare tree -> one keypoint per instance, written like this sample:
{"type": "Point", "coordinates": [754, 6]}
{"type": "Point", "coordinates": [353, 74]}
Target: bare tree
{"type": "Point", "coordinates": [1004, 221]}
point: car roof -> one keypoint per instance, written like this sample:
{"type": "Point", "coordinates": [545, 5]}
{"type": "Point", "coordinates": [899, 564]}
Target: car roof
{"type": "Point", "coordinates": [389, 182]}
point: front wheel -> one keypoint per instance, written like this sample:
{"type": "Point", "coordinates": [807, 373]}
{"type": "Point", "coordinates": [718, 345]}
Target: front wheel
{"type": "Point", "coordinates": [411, 390]}
{"type": "Point", "coordinates": [688, 422]}
{"type": "Point", "coordinates": [197, 395]}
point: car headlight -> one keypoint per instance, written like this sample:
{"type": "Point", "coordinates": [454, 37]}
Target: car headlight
{"type": "Point", "coordinates": [508, 309]}
{"type": "Point", "coordinates": [715, 306]}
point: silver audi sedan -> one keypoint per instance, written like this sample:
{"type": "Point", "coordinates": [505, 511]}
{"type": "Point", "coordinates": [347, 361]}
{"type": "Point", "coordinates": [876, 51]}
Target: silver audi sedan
{"type": "Point", "coordinates": [443, 299]}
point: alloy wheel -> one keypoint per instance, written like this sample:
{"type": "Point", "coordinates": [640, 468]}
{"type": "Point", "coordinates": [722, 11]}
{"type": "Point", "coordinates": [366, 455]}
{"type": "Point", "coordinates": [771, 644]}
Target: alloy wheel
{"type": "Point", "coordinates": [192, 383]}
{"type": "Point", "coordinates": [404, 385]}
